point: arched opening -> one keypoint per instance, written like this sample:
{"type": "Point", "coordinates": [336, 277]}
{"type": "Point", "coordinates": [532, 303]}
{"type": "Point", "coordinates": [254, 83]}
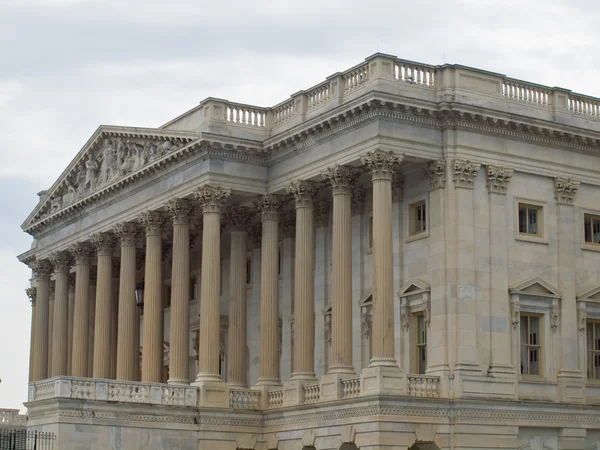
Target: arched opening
{"type": "Point", "coordinates": [348, 446]}
{"type": "Point", "coordinates": [306, 447]}
{"type": "Point", "coordinates": [424, 446]}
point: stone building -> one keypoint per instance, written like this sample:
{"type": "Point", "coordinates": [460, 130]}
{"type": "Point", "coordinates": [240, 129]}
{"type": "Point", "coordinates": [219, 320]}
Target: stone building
{"type": "Point", "coordinates": [403, 256]}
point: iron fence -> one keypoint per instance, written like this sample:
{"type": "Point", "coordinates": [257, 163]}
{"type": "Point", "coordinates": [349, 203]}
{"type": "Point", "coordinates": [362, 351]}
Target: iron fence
{"type": "Point", "coordinates": [26, 440]}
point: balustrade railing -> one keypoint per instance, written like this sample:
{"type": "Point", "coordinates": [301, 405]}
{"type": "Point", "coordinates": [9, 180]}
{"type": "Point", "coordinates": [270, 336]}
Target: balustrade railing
{"type": "Point", "coordinates": [413, 73]}
{"type": "Point", "coordinates": [351, 387]}
{"type": "Point", "coordinates": [275, 398]}
{"type": "Point", "coordinates": [312, 392]}
{"type": "Point", "coordinates": [318, 95]}
{"type": "Point", "coordinates": [44, 389]}
{"type": "Point", "coordinates": [356, 77]}
{"type": "Point", "coordinates": [581, 104]}
{"type": "Point", "coordinates": [526, 92]}
{"type": "Point", "coordinates": [247, 115]}
{"type": "Point", "coordinates": [11, 417]}
{"type": "Point", "coordinates": [423, 386]}
{"type": "Point", "coordinates": [284, 112]}
{"type": "Point", "coordinates": [244, 399]}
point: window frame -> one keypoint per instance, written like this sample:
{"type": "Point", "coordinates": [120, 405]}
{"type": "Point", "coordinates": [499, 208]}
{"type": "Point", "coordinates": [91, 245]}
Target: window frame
{"type": "Point", "coordinates": [594, 322]}
{"type": "Point", "coordinates": [595, 215]}
{"type": "Point", "coordinates": [415, 300]}
{"type": "Point", "coordinates": [412, 233]}
{"type": "Point", "coordinates": [588, 310]}
{"type": "Point", "coordinates": [416, 317]}
{"type": "Point", "coordinates": [540, 346]}
{"type": "Point", "coordinates": [542, 236]}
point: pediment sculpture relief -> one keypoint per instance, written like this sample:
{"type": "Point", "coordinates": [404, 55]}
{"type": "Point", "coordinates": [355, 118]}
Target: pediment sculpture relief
{"type": "Point", "coordinates": [113, 158]}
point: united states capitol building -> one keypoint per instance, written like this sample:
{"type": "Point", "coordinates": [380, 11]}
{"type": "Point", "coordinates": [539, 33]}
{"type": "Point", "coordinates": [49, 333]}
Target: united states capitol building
{"type": "Point", "coordinates": [403, 256]}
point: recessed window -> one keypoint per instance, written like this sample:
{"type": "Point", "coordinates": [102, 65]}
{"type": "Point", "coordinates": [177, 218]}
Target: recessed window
{"type": "Point", "coordinates": [369, 233]}
{"type": "Point", "coordinates": [421, 344]}
{"type": "Point", "coordinates": [418, 218]}
{"type": "Point", "coordinates": [591, 229]}
{"type": "Point", "coordinates": [248, 271]}
{"type": "Point", "coordinates": [531, 345]}
{"type": "Point", "coordinates": [280, 261]}
{"type": "Point", "coordinates": [530, 219]}
{"type": "Point", "coordinates": [593, 349]}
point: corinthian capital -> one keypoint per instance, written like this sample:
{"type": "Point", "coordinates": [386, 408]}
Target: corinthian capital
{"type": "Point", "coordinates": [269, 206]}
{"type": "Point", "coordinates": [61, 261]}
{"type": "Point", "coordinates": [464, 173]}
{"type": "Point", "coordinates": [340, 179]}
{"type": "Point", "coordinates": [436, 172]}
{"type": "Point", "coordinates": [82, 251]}
{"type": "Point", "coordinates": [381, 165]}
{"type": "Point", "coordinates": [304, 192]}
{"type": "Point", "coordinates": [41, 268]}
{"type": "Point", "coordinates": [31, 293]}
{"type": "Point", "coordinates": [565, 190]}
{"type": "Point", "coordinates": [153, 222]}
{"type": "Point", "coordinates": [498, 178]}
{"type": "Point", "coordinates": [126, 232]}
{"type": "Point", "coordinates": [212, 198]}
{"type": "Point", "coordinates": [238, 218]}
{"type": "Point", "coordinates": [104, 243]}
{"type": "Point", "coordinates": [180, 210]}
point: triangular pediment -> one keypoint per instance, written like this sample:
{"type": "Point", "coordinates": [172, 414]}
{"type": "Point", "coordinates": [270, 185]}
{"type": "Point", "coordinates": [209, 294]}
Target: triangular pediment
{"type": "Point", "coordinates": [413, 286]}
{"type": "Point", "coordinates": [536, 286]}
{"type": "Point", "coordinates": [327, 309]}
{"type": "Point", "coordinates": [111, 155]}
{"type": "Point", "coordinates": [367, 298]}
{"type": "Point", "coordinates": [590, 294]}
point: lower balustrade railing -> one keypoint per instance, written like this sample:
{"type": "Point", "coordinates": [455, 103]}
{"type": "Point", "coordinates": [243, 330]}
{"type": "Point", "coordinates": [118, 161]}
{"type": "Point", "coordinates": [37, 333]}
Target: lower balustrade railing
{"type": "Point", "coordinates": [239, 398]}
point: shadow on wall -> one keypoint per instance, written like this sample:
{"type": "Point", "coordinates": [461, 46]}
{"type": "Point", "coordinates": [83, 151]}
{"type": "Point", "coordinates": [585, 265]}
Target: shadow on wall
{"type": "Point", "coordinates": [424, 446]}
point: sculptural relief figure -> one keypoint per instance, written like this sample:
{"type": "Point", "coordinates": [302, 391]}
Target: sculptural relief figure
{"type": "Point", "coordinates": [108, 159]}
{"type": "Point", "coordinates": [91, 167]}
{"type": "Point", "coordinates": [55, 204]}
{"type": "Point", "coordinates": [70, 194]}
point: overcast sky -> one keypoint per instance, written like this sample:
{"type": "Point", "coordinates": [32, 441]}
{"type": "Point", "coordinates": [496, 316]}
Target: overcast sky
{"type": "Point", "coordinates": [67, 66]}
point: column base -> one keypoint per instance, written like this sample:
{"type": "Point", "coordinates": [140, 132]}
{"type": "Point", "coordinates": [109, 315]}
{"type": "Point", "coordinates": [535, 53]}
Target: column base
{"type": "Point", "coordinates": [571, 386]}
{"type": "Point", "coordinates": [380, 361]}
{"type": "Point", "coordinates": [304, 376]}
{"type": "Point", "coordinates": [268, 381]}
{"type": "Point", "coordinates": [293, 389]}
{"type": "Point", "coordinates": [213, 394]}
{"type": "Point", "coordinates": [178, 381]}
{"type": "Point", "coordinates": [341, 369]}
{"type": "Point", "coordinates": [383, 380]}
{"type": "Point", "coordinates": [502, 371]}
{"type": "Point", "coordinates": [331, 386]}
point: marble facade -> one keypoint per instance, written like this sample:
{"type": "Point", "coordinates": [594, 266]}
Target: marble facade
{"type": "Point", "coordinates": [357, 266]}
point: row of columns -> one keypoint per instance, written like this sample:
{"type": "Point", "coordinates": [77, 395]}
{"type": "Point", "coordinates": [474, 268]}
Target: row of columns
{"type": "Point", "coordinates": [381, 165]}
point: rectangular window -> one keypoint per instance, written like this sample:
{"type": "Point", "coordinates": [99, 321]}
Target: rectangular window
{"type": "Point", "coordinates": [193, 289]}
{"type": "Point", "coordinates": [248, 271]}
{"type": "Point", "coordinates": [593, 349]}
{"type": "Point", "coordinates": [370, 232]}
{"type": "Point", "coordinates": [530, 219]}
{"type": "Point", "coordinates": [531, 345]}
{"type": "Point", "coordinates": [591, 229]}
{"type": "Point", "coordinates": [421, 343]}
{"type": "Point", "coordinates": [280, 261]}
{"type": "Point", "coordinates": [418, 218]}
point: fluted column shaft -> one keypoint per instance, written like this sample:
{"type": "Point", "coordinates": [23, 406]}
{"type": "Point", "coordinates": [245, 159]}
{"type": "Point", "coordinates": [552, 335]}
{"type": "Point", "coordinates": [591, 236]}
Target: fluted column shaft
{"type": "Point", "coordinates": [60, 347]}
{"type": "Point", "coordinates": [304, 287]}
{"type": "Point", "coordinates": [127, 352]}
{"type": "Point", "coordinates": [40, 319]}
{"type": "Point", "coordinates": [268, 375]}
{"type": "Point", "coordinates": [212, 200]}
{"type": "Point", "coordinates": [104, 302]}
{"type": "Point", "coordinates": [341, 180]}
{"type": "Point", "coordinates": [180, 211]}
{"type": "Point", "coordinates": [382, 166]}
{"type": "Point", "coordinates": [81, 311]}
{"type": "Point", "coordinates": [236, 331]}
{"type": "Point", "coordinates": [153, 332]}
{"type": "Point", "coordinates": [31, 294]}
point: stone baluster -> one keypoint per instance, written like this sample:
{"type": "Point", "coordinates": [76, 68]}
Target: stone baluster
{"type": "Point", "coordinates": [104, 244]}
{"type": "Point", "coordinates": [42, 271]}
{"type": "Point", "coordinates": [81, 309]}
{"type": "Point", "coordinates": [153, 331]}
{"type": "Point", "coordinates": [237, 219]}
{"type": "Point", "coordinates": [304, 287]}
{"type": "Point", "coordinates": [269, 206]}
{"type": "Point", "coordinates": [127, 352]}
{"type": "Point", "coordinates": [62, 263]}
{"type": "Point", "coordinates": [341, 180]}
{"type": "Point", "coordinates": [211, 199]}
{"type": "Point", "coordinates": [180, 211]}
{"type": "Point", "coordinates": [382, 165]}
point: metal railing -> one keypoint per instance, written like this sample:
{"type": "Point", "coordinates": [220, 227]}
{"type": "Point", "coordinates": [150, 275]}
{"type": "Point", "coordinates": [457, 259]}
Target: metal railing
{"type": "Point", "coordinates": [26, 440]}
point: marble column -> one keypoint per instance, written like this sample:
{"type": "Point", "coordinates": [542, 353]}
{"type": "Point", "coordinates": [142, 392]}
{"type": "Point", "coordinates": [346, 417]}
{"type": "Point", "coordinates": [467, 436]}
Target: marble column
{"type": "Point", "coordinates": [82, 252]}
{"type": "Point", "coordinates": [304, 285]}
{"type": "Point", "coordinates": [341, 180]}
{"type": "Point", "coordinates": [269, 206]}
{"type": "Point", "coordinates": [127, 353]}
{"type": "Point", "coordinates": [211, 199]}
{"type": "Point", "coordinates": [382, 166]}
{"type": "Point", "coordinates": [237, 219]}
{"type": "Point", "coordinates": [60, 348]}
{"type": "Point", "coordinates": [114, 330]}
{"type": "Point", "coordinates": [180, 211]}
{"type": "Point", "coordinates": [104, 244]}
{"type": "Point", "coordinates": [42, 271]}
{"type": "Point", "coordinates": [71, 309]}
{"type": "Point", "coordinates": [52, 294]}
{"type": "Point", "coordinates": [498, 179]}
{"type": "Point", "coordinates": [31, 294]}
{"type": "Point", "coordinates": [153, 331]}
